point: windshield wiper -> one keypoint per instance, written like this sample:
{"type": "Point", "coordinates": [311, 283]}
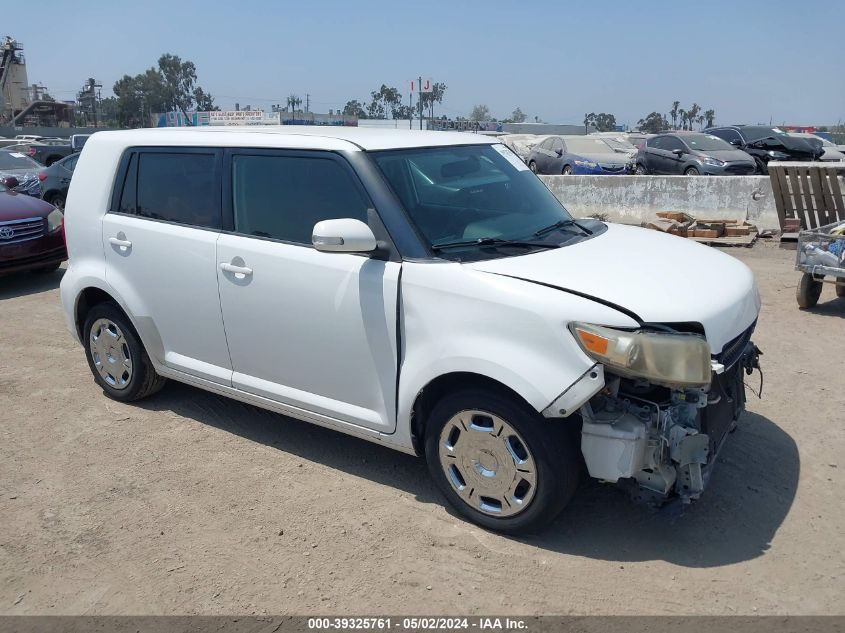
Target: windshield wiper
{"type": "Point", "coordinates": [493, 241]}
{"type": "Point", "coordinates": [562, 224]}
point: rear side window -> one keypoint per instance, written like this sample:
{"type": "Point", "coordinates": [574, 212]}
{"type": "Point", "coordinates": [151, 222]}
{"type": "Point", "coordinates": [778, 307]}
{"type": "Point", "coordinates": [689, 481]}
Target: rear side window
{"type": "Point", "coordinates": [179, 187]}
{"type": "Point", "coordinates": [656, 142]}
{"type": "Point", "coordinates": [283, 197]}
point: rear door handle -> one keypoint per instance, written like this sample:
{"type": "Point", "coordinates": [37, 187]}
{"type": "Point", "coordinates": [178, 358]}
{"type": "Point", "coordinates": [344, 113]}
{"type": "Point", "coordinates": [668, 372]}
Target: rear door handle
{"type": "Point", "coordinates": [121, 243]}
{"type": "Point", "coordinates": [235, 270]}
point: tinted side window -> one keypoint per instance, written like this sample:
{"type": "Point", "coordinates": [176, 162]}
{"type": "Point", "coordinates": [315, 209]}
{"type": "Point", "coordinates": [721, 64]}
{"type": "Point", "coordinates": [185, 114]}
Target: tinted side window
{"type": "Point", "coordinates": [671, 143]}
{"type": "Point", "coordinates": [70, 163]}
{"type": "Point", "coordinates": [656, 142]}
{"type": "Point", "coordinates": [557, 145]}
{"type": "Point", "coordinates": [283, 197]}
{"type": "Point", "coordinates": [178, 187]}
{"type": "Point", "coordinates": [128, 197]}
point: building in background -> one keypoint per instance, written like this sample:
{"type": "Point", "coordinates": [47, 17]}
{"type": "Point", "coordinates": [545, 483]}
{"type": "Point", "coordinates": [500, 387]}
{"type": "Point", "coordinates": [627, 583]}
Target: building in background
{"type": "Point", "coordinates": [250, 117]}
{"type": "Point", "coordinates": [22, 105]}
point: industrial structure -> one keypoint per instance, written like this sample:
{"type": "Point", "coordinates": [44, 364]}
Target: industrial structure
{"type": "Point", "coordinates": [22, 105]}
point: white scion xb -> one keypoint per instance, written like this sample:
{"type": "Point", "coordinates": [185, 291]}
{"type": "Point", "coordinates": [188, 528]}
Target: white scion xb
{"type": "Point", "coordinates": [423, 290]}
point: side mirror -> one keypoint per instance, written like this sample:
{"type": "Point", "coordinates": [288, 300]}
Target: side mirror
{"type": "Point", "coordinates": [343, 236]}
{"type": "Point", "coordinates": [678, 152]}
{"type": "Point", "coordinates": [559, 152]}
{"type": "Point", "coordinates": [10, 181]}
{"type": "Point", "coordinates": [736, 142]}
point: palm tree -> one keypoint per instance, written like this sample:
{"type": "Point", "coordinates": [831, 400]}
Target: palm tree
{"type": "Point", "coordinates": [674, 114]}
{"type": "Point", "coordinates": [682, 114]}
{"type": "Point", "coordinates": [700, 121]}
{"type": "Point", "coordinates": [692, 114]}
{"type": "Point", "coordinates": [710, 117]}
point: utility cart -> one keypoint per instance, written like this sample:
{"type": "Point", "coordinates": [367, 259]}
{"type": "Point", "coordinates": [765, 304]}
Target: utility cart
{"type": "Point", "coordinates": [821, 257]}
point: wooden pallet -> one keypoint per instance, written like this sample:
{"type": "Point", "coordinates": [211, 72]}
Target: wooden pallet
{"type": "Point", "coordinates": [811, 192]}
{"type": "Point", "coordinates": [739, 240]}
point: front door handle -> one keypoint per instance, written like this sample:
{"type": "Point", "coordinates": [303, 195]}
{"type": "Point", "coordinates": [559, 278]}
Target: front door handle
{"type": "Point", "coordinates": [226, 267]}
{"type": "Point", "coordinates": [115, 241]}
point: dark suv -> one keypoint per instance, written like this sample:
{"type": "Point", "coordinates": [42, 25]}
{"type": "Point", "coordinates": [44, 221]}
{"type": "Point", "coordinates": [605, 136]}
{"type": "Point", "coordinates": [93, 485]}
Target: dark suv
{"type": "Point", "coordinates": [692, 154]}
{"type": "Point", "coordinates": [765, 143]}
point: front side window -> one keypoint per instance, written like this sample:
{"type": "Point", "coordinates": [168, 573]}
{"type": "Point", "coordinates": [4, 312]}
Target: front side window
{"type": "Point", "coordinates": [475, 192]}
{"type": "Point", "coordinates": [283, 197]}
{"type": "Point", "coordinates": [671, 143]}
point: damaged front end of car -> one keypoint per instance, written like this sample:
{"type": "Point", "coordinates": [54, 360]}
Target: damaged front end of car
{"type": "Point", "coordinates": [666, 408]}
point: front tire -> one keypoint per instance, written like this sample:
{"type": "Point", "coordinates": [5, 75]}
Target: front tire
{"type": "Point", "coordinates": [58, 201]}
{"type": "Point", "coordinates": [840, 289]}
{"type": "Point", "coordinates": [641, 170]}
{"type": "Point", "coordinates": [567, 170]}
{"type": "Point", "coordinates": [692, 171]}
{"type": "Point", "coordinates": [532, 166]}
{"type": "Point", "coordinates": [499, 463]}
{"type": "Point", "coordinates": [116, 357]}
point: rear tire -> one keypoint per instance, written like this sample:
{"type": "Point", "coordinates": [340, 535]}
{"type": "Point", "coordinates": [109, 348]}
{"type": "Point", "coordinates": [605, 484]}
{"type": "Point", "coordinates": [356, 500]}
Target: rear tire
{"type": "Point", "coordinates": [840, 289]}
{"type": "Point", "coordinates": [116, 357]}
{"type": "Point", "coordinates": [58, 201]}
{"type": "Point", "coordinates": [530, 460]}
{"type": "Point", "coordinates": [809, 290]}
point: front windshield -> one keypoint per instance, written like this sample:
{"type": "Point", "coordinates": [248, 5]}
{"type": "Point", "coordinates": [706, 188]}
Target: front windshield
{"type": "Point", "coordinates": [707, 143]}
{"type": "Point", "coordinates": [619, 146]}
{"type": "Point", "coordinates": [474, 192]}
{"type": "Point", "coordinates": [16, 160]}
{"type": "Point", "coordinates": [586, 145]}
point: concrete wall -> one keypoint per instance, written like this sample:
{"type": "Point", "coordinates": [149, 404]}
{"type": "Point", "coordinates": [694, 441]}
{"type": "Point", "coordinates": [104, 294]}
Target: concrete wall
{"type": "Point", "coordinates": [636, 199]}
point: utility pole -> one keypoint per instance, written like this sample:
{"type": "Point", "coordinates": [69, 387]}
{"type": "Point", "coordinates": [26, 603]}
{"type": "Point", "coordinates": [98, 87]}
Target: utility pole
{"type": "Point", "coordinates": [307, 102]}
{"type": "Point", "coordinates": [419, 100]}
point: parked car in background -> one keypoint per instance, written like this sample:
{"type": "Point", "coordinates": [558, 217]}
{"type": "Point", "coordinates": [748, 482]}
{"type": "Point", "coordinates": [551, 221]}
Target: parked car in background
{"type": "Point", "coordinates": [436, 298]}
{"type": "Point", "coordinates": [31, 235]}
{"type": "Point", "coordinates": [55, 180]}
{"type": "Point", "coordinates": [521, 144]}
{"type": "Point", "coordinates": [19, 173]}
{"type": "Point", "coordinates": [77, 141]}
{"type": "Point", "coordinates": [829, 149]}
{"type": "Point", "coordinates": [765, 143]}
{"type": "Point", "coordinates": [692, 154]}
{"type": "Point", "coordinates": [580, 155]}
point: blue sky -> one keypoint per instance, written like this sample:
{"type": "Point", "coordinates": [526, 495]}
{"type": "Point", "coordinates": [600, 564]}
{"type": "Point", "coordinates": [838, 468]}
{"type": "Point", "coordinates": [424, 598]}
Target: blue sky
{"type": "Point", "coordinates": [750, 60]}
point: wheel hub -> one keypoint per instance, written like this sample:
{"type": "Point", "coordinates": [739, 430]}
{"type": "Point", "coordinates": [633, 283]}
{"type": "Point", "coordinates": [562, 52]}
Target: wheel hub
{"type": "Point", "coordinates": [487, 463]}
{"type": "Point", "coordinates": [110, 353]}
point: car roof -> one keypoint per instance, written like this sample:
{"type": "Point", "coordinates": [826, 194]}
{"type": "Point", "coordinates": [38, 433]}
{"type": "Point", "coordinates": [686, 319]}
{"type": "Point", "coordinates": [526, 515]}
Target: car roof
{"type": "Point", "coordinates": [295, 136]}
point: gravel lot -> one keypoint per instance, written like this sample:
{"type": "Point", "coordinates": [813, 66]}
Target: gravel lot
{"type": "Point", "coordinates": [190, 503]}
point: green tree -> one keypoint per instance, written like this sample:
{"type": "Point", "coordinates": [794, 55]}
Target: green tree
{"type": "Point", "coordinates": [169, 87]}
{"type": "Point", "coordinates": [427, 100]}
{"type": "Point", "coordinates": [602, 121]}
{"type": "Point", "coordinates": [518, 116]}
{"type": "Point", "coordinates": [682, 117]}
{"type": "Point", "coordinates": [384, 100]}
{"type": "Point", "coordinates": [692, 114]}
{"type": "Point", "coordinates": [674, 114]}
{"type": "Point", "coordinates": [653, 123]}
{"type": "Point", "coordinates": [354, 107]}
{"type": "Point", "coordinates": [294, 101]}
{"type": "Point", "coordinates": [710, 117]}
{"type": "Point", "coordinates": [480, 113]}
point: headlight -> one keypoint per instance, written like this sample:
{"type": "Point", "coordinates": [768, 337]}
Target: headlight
{"type": "Point", "coordinates": [777, 155]}
{"type": "Point", "coordinates": [662, 358]}
{"type": "Point", "coordinates": [54, 220]}
{"type": "Point", "coordinates": [585, 163]}
{"type": "Point", "coordinates": [713, 161]}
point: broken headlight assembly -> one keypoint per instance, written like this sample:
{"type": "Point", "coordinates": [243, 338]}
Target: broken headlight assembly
{"type": "Point", "coordinates": [663, 358]}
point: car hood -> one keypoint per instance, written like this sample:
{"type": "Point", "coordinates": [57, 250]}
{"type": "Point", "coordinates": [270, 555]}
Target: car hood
{"type": "Point", "coordinates": [658, 277]}
{"type": "Point", "coordinates": [729, 155]}
{"type": "Point", "coordinates": [604, 159]}
{"type": "Point", "coordinates": [17, 206]}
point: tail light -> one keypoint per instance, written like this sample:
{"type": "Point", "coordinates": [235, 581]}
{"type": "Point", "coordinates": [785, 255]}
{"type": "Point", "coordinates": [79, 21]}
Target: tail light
{"type": "Point", "coordinates": [42, 176]}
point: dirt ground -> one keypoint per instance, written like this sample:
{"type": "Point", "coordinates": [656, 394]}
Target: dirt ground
{"type": "Point", "coordinates": [189, 503]}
